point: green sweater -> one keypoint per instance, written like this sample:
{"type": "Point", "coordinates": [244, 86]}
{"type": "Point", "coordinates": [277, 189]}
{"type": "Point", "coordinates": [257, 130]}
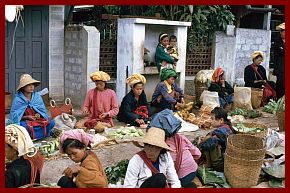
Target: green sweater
{"type": "Point", "coordinates": [161, 55]}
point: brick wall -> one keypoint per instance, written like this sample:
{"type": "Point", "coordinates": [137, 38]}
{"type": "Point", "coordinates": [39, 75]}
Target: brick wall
{"type": "Point", "coordinates": [81, 58]}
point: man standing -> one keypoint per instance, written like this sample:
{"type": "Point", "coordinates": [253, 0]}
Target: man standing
{"type": "Point", "coordinates": [279, 61]}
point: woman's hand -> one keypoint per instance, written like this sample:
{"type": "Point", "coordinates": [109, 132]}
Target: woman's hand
{"type": "Point", "coordinates": [29, 117]}
{"type": "Point", "coordinates": [71, 171]}
{"type": "Point", "coordinates": [86, 111]}
{"type": "Point", "coordinates": [103, 115]}
{"type": "Point", "coordinates": [140, 121]}
{"type": "Point", "coordinates": [37, 116]}
{"type": "Point", "coordinates": [180, 105]}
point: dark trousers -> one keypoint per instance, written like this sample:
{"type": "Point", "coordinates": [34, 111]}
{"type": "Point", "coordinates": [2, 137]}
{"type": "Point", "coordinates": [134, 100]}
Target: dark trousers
{"type": "Point", "coordinates": [155, 181]}
{"type": "Point", "coordinates": [66, 182]}
{"type": "Point", "coordinates": [187, 181]}
{"type": "Point", "coordinates": [280, 86]}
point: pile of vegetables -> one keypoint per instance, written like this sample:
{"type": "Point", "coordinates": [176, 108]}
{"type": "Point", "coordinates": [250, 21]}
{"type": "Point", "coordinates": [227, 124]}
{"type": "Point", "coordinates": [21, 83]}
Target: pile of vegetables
{"type": "Point", "coordinates": [270, 107]}
{"type": "Point", "coordinates": [274, 107]}
{"type": "Point", "coordinates": [49, 148]}
{"type": "Point", "coordinates": [126, 133]}
{"type": "Point", "coordinates": [184, 113]}
{"type": "Point", "coordinates": [117, 173]}
{"type": "Point", "coordinates": [246, 113]}
{"type": "Point", "coordinates": [241, 128]}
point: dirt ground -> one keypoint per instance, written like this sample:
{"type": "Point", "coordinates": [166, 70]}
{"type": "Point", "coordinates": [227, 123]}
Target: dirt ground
{"type": "Point", "coordinates": [110, 155]}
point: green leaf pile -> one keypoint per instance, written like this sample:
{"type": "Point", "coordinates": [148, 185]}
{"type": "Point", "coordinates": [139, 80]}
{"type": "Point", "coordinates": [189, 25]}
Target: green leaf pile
{"type": "Point", "coordinates": [117, 173]}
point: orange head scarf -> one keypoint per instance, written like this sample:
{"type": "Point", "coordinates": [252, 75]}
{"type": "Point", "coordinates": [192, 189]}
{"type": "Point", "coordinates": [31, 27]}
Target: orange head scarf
{"type": "Point", "coordinates": [216, 74]}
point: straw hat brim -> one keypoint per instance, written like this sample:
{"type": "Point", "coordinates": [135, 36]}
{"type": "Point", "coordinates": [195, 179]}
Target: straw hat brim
{"type": "Point", "coordinates": [140, 143]}
{"type": "Point", "coordinates": [25, 83]}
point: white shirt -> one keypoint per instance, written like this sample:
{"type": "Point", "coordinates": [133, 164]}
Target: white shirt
{"type": "Point", "coordinates": [137, 171]}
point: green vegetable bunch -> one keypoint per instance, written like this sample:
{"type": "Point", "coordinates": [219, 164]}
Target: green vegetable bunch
{"type": "Point", "coordinates": [246, 113]}
{"type": "Point", "coordinates": [270, 107]}
{"type": "Point", "coordinates": [117, 173]}
{"type": "Point", "coordinates": [126, 132]}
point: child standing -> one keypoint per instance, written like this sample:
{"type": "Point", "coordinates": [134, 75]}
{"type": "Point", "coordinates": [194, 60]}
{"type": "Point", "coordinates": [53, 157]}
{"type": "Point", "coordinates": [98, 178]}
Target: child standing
{"type": "Point", "coordinates": [162, 58]}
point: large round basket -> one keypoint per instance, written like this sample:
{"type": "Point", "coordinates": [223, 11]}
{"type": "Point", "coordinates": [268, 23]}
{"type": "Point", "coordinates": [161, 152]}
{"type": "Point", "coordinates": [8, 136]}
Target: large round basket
{"type": "Point", "coordinates": [263, 133]}
{"type": "Point", "coordinates": [199, 88]}
{"type": "Point", "coordinates": [247, 147]}
{"type": "Point", "coordinates": [242, 173]}
{"type": "Point", "coordinates": [281, 120]}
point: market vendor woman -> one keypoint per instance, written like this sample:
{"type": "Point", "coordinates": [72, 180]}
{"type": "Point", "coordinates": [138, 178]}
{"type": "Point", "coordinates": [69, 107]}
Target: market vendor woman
{"type": "Point", "coordinates": [88, 171]}
{"type": "Point", "coordinates": [29, 110]}
{"type": "Point", "coordinates": [134, 107]}
{"type": "Point", "coordinates": [167, 93]}
{"type": "Point", "coordinates": [101, 102]}
{"type": "Point", "coordinates": [152, 167]}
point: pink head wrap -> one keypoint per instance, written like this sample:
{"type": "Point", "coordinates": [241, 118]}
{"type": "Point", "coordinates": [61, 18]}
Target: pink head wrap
{"type": "Point", "coordinates": [216, 74]}
{"type": "Point", "coordinates": [78, 134]}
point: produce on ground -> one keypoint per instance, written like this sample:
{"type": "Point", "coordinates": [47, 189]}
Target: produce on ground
{"type": "Point", "coordinates": [117, 173]}
{"type": "Point", "coordinates": [49, 148]}
{"type": "Point", "coordinates": [126, 133]}
{"type": "Point", "coordinates": [246, 113]}
{"type": "Point", "coordinates": [241, 128]}
{"type": "Point", "coordinates": [270, 107]}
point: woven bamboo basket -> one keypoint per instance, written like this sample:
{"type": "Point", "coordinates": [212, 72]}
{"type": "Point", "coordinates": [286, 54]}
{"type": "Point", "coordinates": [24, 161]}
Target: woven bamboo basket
{"type": "Point", "coordinates": [261, 134]}
{"type": "Point", "coordinates": [247, 147]}
{"type": "Point", "coordinates": [281, 120]}
{"type": "Point", "coordinates": [256, 97]}
{"type": "Point", "coordinates": [242, 173]}
{"type": "Point", "coordinates": [36, 185]}
{"type": "Point", "coordinates": [199, 88]}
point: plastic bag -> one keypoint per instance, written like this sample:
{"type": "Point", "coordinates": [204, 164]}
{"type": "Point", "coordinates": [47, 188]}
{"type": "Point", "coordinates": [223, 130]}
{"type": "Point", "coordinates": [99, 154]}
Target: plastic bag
{"type": "Point", "coordinates": [210, 99]}
{"type": "Point", "coordinates": [242, 98]}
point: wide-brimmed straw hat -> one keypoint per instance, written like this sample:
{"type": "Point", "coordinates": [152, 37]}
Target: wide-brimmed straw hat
{"type": "Point", "coordinates": [154, 136]}
{"type": "Point", "coordinates": [281, 27]}
{"type": "Point", "coordinates": [26, 79]}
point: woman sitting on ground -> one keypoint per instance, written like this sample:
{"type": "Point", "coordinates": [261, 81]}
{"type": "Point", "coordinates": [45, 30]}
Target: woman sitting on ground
{"type": "Point", "coordinates": [213, 146]}
{"type": "Point", "coordinates": [255, 76]}
{"type": "Point", "coordinates": [224, 89]}
{"type": "Point", "coordinates": [101, 102]}
{"type": "Point", "coordinates": [29, 110]}
{"type": "Point", "coordinates": [152, 167]}
{"type": "Point", "coordinates": [134, 106]}
{"type": "Point", "coordinates": [184, 155]}
{"type": "Point", "coordinates": [167, 93]}
{"type": "Point", "coordinates": [88, 171]}
{"type": "Point", "coordinates": [26, 162]}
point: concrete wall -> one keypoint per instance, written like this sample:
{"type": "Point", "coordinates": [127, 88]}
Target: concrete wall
{"type": "Point", "coordinates": [224, 54]}
{"type": "Point", "coordinates": [233, 53]}
{"type": "Point", "coordinates": [82, 48]}
{"type": "Point", "coordinates": [56, 52]}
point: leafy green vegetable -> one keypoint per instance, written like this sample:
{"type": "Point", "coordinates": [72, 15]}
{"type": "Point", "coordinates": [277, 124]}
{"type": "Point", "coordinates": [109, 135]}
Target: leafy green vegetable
{"type": "Point", "coordinates": [277, 183]}
{"type": "Point", "coordinates": [211, 177]}
{"type": "Point", "coordinates": [277, 171]}
{"type": "Point", "coordinates": [241, 128]}
{"type": "Point", "coordinates": [246, 113]}
{"type": "Point", "coordinates": [117, 173]}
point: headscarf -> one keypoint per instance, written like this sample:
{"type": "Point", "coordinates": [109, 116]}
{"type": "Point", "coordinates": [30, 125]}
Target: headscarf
{"type": "Point", "coordinates": [257, 53]}
{"type": "Point", "coordinates": [100, 75]}
{"type": "Point", "coordinates": [167, 73]}
{"type": "Point", "coordinates": [281, 27]}
{"type": "Point", "coordinates": [216, 74]}
{"type": "Point", "coordinates": [78, 134]}
{"type": "Point", "coordinates": [18, 137]}
{"type": "Point", "coordinates": [136, 78]}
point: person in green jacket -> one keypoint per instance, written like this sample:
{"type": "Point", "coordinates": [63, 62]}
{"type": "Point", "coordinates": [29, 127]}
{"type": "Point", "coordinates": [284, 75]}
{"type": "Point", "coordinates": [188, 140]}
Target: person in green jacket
{"type": "Point", "coordinates": [162, 57]}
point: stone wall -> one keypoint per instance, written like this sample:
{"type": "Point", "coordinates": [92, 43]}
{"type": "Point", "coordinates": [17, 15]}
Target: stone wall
{"type": "Point", "coordinates": [81, 58]}
{"type": "Point", "coordinates": [248, 41]}
{"type": "Point", "coordinates": [233, 53]}
{"type": "Point", "coordinates": [56, 52]}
